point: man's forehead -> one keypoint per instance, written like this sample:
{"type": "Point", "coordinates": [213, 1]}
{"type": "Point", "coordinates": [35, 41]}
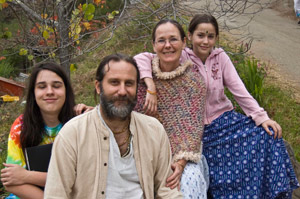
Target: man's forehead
{"type": "Point", "coordinates": [120, 68]}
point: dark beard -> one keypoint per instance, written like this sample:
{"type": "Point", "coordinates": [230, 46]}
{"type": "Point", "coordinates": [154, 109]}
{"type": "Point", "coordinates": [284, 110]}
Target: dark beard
{"type": "Point", "coordinates": [111, 111]}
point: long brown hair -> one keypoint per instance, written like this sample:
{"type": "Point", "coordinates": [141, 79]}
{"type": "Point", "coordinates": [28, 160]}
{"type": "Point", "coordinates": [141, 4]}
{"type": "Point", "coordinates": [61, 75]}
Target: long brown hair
{"type": "Point", "coordinates": [33, 123]}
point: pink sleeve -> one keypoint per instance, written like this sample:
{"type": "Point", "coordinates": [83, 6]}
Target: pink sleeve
{"type": "Point", "coordinates": [144, 62]}
{"type": "Point", "coordinates": [236, 86]}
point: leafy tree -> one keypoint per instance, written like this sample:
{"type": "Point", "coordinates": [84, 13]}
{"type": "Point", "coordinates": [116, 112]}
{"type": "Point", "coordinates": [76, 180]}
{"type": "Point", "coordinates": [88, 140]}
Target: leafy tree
{"type": "Point", "coordinates": [65, 29]}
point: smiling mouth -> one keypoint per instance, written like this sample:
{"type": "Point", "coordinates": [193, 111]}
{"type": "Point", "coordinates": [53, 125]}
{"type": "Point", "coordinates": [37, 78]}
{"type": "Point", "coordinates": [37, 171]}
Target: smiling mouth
{"type": "Point", "coordinates": [168, 53]}
{"type": "Point", "coordinates": [204, 47]}
{"type": "Point", "coordinates": [50, 100]}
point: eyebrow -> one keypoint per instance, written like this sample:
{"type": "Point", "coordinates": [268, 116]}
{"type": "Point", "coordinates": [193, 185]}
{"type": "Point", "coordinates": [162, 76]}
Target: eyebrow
{"type": "Point", "coordinates": [117, 79]}
{"type": "Point", "coordinates": [206, 32]}
{"type": "Point", "coordinates": [131, 80]}
{"type": "Point", "coordinates": [163, 37]}
{"type": "Point", "coordinates": [55, 82]}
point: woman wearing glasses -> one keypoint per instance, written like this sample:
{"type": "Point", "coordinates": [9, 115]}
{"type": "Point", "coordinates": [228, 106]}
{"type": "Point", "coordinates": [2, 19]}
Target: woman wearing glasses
{"type": "Point", "coordinates": [181, 97]}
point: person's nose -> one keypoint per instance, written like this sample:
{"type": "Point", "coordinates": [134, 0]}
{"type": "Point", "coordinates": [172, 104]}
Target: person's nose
{"type": "Point", "coordinates": [167, 44]}
{"type": "Point", "coordinates": [49, 90]}
{"type": "Point", "coordinates": [205, 40]}
{"type": "Point", "coordinates": [122, 90]}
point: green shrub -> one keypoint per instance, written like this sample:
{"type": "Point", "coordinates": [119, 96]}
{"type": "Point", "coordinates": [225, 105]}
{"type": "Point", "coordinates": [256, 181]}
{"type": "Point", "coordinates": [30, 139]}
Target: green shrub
{"type": "Point", "coordinates": [6, 69]}
{"type": "Point", "coordinates": [253, 74]}
{"type": "Point", "coordinates": [13, 63]}
{"type": "Point", "coordinates": [251, 71]}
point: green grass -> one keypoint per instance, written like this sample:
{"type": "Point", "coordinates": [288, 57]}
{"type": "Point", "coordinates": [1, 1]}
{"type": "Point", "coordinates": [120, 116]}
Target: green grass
{"type": "Point", "coordinates": [286, 111]}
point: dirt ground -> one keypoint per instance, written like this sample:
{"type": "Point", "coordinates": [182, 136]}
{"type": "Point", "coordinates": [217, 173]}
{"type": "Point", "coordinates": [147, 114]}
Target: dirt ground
{"type": "Point", "coordinates": [277, 42]}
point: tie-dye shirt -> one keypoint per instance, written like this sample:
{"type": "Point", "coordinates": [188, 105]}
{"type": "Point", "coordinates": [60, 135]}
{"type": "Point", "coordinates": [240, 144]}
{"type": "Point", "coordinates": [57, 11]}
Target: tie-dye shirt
{"type": "Point", "coordinates": [14, 150]}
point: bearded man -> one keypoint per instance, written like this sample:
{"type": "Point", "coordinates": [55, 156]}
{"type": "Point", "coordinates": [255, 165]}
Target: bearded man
{"type": "Point", "coordinates": [111, 152]}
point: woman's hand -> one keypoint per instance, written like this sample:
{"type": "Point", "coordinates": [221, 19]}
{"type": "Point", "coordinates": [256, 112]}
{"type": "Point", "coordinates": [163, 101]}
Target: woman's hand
{"type": "Point", "coordinates": [174, 180]}
{"type": "Point", "coordinates": [275, 126]}
{"type": "Point", "coordinates": [13, 174]}
{"type": "Point", "coordinates": [150, 106]}
{"type": "Point", "coordinates": [82, 108]}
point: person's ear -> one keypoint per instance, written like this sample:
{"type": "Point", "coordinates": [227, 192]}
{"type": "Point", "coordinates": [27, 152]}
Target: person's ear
{"type": "Point", "coordinates": [153, 45]}
{"type": "Point", "coordinates": [97, 87]}
{"type": "Point", "coordinates": [184, 43]}
{"type": "Point", "coordinates": [190, 36]}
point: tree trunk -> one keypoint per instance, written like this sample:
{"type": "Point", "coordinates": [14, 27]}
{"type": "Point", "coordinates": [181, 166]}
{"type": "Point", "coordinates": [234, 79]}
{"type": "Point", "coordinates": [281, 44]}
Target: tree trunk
{"type": "Point", "coordinates": [63, 29]}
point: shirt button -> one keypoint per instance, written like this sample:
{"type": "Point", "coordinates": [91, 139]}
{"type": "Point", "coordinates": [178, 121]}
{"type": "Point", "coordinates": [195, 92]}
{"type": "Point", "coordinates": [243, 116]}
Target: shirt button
{"type": "Point", "coordinates": [105, 164]}
{"type": "Point", "coordinates": [105, 138]}
{"type": "Point", "coordinates": [102, 192]}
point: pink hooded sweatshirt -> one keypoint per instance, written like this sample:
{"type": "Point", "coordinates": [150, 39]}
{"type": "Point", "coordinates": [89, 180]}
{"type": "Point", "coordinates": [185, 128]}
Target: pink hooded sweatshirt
{"type": "Point", "coordinates": [218, 72]}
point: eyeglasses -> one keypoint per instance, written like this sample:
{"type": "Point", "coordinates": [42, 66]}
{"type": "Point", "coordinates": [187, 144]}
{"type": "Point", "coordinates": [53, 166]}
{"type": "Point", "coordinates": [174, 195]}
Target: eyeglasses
{"type": "Point", "coordinates": [172, 41]}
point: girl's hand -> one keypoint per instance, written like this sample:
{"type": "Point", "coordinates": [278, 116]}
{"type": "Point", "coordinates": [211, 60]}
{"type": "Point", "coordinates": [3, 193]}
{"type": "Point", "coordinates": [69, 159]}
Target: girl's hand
{"type": "Point", "coordinates": [275, 126]}
{"type": "Point", "coordinates": [82, 108]}
{"type": "Point", "coordinates": [13, 174]}
{"type": "Point", "coordinates": [174, 179]}
{"type": "Point", "coordinates": [150, 106]}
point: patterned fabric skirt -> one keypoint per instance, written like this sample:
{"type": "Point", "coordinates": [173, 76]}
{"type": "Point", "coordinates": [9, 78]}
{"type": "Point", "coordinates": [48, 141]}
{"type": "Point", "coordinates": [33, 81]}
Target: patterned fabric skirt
{"type": "Point", "coordinates": [195, 180]}
{"type": "Point", "coordinates": [245, 162]}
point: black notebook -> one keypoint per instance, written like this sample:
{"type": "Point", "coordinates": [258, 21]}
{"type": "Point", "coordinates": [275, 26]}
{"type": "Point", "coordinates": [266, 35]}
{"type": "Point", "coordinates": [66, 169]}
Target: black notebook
{"type": "Point", "coordinates": [38, 157]}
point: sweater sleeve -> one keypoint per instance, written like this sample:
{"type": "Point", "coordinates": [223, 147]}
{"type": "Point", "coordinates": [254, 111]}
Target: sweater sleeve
{"type": "Point", "coordinates": [236, 86]}
{"type": "Point", "coordinates": [14, 149]}
{"type": "Point", "coordinates": [143, 61]}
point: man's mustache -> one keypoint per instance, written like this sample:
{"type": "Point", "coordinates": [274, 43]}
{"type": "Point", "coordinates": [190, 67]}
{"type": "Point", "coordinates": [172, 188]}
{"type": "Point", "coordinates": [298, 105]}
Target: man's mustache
{"type": "Point", "coordinates": [122, 98]}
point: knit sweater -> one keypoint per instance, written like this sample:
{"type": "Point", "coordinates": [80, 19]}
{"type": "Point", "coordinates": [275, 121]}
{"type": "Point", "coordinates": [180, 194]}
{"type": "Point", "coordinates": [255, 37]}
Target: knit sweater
{"type": "Point", "coordinates": [181, 99]}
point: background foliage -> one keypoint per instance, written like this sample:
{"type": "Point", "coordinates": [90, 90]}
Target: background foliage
{"type": "Point", "coordinates": [65, 30]}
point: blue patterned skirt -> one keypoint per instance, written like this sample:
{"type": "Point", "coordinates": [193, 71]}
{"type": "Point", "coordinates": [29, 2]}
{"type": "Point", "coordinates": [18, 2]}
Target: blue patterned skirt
{"type": "Point", "coordinates": [245, 162]}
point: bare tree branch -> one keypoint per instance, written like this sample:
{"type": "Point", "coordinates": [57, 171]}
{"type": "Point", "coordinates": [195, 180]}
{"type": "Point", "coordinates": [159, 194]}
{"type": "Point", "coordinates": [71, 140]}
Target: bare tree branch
{"type": "Point", "coordinates": [142, 13]}
{"type": "Point", "coordinates": [31, 12]}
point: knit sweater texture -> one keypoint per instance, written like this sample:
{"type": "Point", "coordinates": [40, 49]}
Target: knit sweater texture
{"type": "Point", "coordinates": [181, 100]}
